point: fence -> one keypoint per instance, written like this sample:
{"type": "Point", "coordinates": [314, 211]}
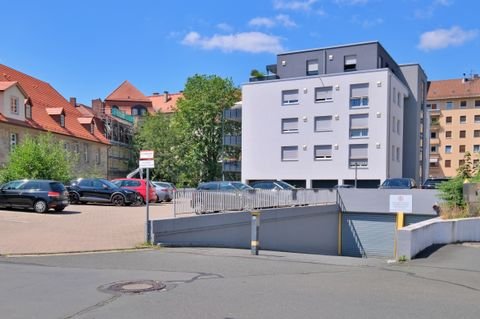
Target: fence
{"type": "Point", "coordinates": [188, 201]}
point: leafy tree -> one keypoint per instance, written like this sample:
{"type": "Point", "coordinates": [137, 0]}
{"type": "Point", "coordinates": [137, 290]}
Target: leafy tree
{"type": "Point", "coordinates": [156, 133]}
{"type": "Point", "coordinates": [198, 123]}
{"type": "Point", "coordinates": [39, 157]}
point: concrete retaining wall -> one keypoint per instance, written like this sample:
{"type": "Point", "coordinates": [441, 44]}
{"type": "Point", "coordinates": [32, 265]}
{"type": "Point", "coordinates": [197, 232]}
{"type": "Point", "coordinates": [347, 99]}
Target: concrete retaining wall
{"type": "Point", "coordinates": [416, 237]}
{"type": "Point", "coordinates": [311, 229]}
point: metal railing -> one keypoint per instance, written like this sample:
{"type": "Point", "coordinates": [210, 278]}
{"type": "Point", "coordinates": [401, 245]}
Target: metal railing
{"type": "Point", "coordinates": [123, 116]}
{"type": "Point", "coordinates": [191, 201]}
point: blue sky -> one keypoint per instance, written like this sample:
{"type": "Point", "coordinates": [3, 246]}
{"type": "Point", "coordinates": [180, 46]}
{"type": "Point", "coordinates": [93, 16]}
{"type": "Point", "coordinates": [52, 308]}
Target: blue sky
{"type": "Point", "coordinates": [87, 48]}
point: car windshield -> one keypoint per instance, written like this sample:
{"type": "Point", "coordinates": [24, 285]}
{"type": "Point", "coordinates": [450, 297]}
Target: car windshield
{"type": "Point", "coordinates": [57, 187]}
{"type": "Point", "coordinates": [241, 186]}
{"type": "Point", "coordinates": [397, 182]}
{"type": "Point", "coordinates": [117, 183]}
{"type": "Point", "coordinates": [108, 183]}
{"type": "Point", "coordinates": [284, 185]}
{"type": "Point", "coordinates": [160, 184]}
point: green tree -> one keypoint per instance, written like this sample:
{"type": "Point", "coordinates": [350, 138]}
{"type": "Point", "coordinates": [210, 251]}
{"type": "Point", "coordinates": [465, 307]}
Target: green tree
{"type": "Point", "coordinates": [39, 157]}
{"type": "Point", "coordinates": [198, 123]}
{"type": "Point", "coordinates": [156, 133]}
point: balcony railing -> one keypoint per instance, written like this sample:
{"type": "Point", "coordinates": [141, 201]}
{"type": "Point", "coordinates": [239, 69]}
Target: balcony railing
{"type": "Point", "coordinates": [232, 140]}
{"type": "Point", "coordinates": [123, 116]}
{"type": "Point", "coordinates": [264, 78]}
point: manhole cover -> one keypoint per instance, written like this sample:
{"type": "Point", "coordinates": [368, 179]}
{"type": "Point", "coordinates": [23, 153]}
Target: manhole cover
{"type": "Point", "coordinates": [133, 287]}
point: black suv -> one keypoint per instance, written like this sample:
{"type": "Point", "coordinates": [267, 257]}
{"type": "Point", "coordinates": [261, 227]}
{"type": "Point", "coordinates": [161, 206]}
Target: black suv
{"type": "Point", "coordinates": [83, 190]}
{"type": "Point", "coordinates": [39, 195]}
{"type": "Point", "coordinates": [434, 182]}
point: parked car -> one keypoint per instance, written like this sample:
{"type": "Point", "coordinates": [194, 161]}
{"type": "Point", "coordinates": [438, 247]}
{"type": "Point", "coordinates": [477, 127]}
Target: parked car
{"type": "Point", "coordinates": [343, 186]}
{"type": "Point", "coordinates": [218, 196]}
{"type": "Point", "coordinates": [399, 183]}
{"type": "Point", "coordinates": [39, 195]}
{"type": "Point", "coordinates": [434, 182]}
{"type": "Point", "coordinates": [164, 191]}
{"type": "Point", "coordinates": [272, 184]}
{"type": "Point", "coordinates": [138, 185]}
{"type": "Point", "coordinates": [97, 190]}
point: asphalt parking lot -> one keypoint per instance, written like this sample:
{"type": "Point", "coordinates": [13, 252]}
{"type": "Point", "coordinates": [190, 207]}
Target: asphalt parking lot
{"type": "Point", "coordinates": [233, 284]}
{"type": "Point", "coordinates": [78, 228]}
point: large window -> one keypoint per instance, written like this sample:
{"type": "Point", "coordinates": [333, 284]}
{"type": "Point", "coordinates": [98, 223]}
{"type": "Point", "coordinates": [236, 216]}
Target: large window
{"type": "Point", "coordinates": [322, 152]}
{"type": "Point", "coordinates": [350, 63]}
{"type": "Point", "coordinates": [359, 95]}
{"type": "Point", "coordinates": [358, 155]}
{"type": "Point", "coordinates": [476, 148]}
{"type": "Point", "coordinates": [323, 94]}
{"type": "Point", "coordinates": [139, 110]}
{"type": "Point", "coordinates": [358, 125]}
{"type": "Point", "coordinates": [14, 103]}
{"type": "Point", "coordinates": [289, 153]}
{"type": "Point", "coordinates": [312, 67]}
{"type": "Point", "coordinates": [28, 111]}
{"type": "Point", "coordinates": [323, 123]}
{"type": "Point", "coordinates": [449, 105]}
{"type": "Point", "coordinates": [290, 125]}
{"type": "Point", "coordinates": [289, 97]}
{"type": "Point", "coordinates": [448, 149]}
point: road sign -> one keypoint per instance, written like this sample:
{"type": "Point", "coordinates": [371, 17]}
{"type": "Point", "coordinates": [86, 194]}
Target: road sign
{"type": "Point", "coordinates": [146, 155]}
{"type": "Point", "coordinates": [401, 203]}
{"type": "Point", "coordinates": [147, 163]}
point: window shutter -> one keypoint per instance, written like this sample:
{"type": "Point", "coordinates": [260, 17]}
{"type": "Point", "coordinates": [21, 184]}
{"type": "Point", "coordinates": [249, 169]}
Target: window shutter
{"type": "Point", "coordinates": [290, 124]}
{"type": "Point", "coordinates": [323, 123]}
{"type": "Point", "coordinates": [359, 151]}
{"type": "Point", "coordinates": [350, 59]}
{"type": "Point", "coordinates": [323, 151]}
{"type": "Point", "coordinates": [290, 96]}
{"type": "Point", "coordinates": [323, 94]}
{"type": "Point", "coordinates": [312, 65]}
{"type": "Point", "coordinates": [359, 90]}
{"type": "Point", "coordinates": [358, 121]}
{"type": "Point", "coordinates": [289, 152]}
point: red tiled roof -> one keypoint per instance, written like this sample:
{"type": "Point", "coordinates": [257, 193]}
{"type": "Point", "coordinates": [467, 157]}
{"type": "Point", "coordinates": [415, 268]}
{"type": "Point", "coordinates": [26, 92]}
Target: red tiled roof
{"type": "Point", "coordinates": [160, 105]}
{"type": "Point", "coordinates": [54, 110]}
{"type": "Point", "coordinates": [126, 92]}
{"type": "Point", "coordinates": [44, 96]}
{"type": "Point", "coordinates": [85, 120]}
{"type": "Point", "coordinates": [6, 84]}
{"type": "Point", "coordinates": [85, 110]}
{"type": "Point", "coordinates": [455, 88]}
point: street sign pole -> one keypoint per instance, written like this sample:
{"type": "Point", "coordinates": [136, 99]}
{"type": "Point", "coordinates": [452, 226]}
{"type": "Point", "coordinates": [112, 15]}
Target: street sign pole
{"type": "Point", "coordinates": [147, 161]}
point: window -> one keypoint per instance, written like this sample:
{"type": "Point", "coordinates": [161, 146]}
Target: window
{"type": "Point", "coordinates": [92, 127]}
{"type": "Point", "coordinates": [476, 133]}
{"type": "Point", "coordinates": [289, 153]}
{"type": "Point", "coordinates": [350, 63]}
{"type": "Point", "coordinates": [393, 152]}
{"type": "Point", "coordinates": [85, 152]}
{"type": "Point", "coordinates": [448, 134]}
{"type": "Point", "coordinates": [463, 104]}
{"type": "Point", "coordinates": [358, 155]}
{"type": "Point", "coordinates": [62, 120]}
{"type": "Point", "coordinates": [448, 120]}
{"type": "Point", "coordinates": [476, 148]}
{"type": "Point", "coordinates": [463, 119]}
{"type": "Point", "coordinates": [399, 99]}
{"type": "Point", "coordinates": [477, 118]}
{"type": "Point", "coordinates": [394, 95]}
{"type": "Point", "coordinates": [433, 135]}
{"type": "Point", "coordinates": [13, 140]}
{"type": "Point", "coordinates": [14, 102]}
{"type": "Point", "coordinates": [312, 67]}
{"type": "Point", "coordinates": [322, 152]}
{"type": "Point", "coordinates": [290, 125]}
{"type": "Point", "coordinates": [477, 103]}
{"type": "Point", "coordinates": [359, 95]}
{"type": "Point", "coordinates": [98, 156]}
{"type": "Point", "coordinates": [66, 146]}
{"type": "Point", "coordinates": [448, 149]}
{"type": "Point", "coordinates": [358, 125]}
{"type": "Point", "coordinates": [398, 154]}
{"type": "Point", "coordinates": [323, 123]}
{"type": "Point", "coordinates": [461, 148]}
{"type": "Point", "coordinates": [433, 149]}
{"type": "Point", "coordinates": [398, 127]}
{"type": "Point", "coordinates": [393, 124]}
{"type": "Point", "coordinates": [463, 134]}
{"type": "Point", "coordinates": [139, 110]}
{"type": "Point", "coordinates": [289, 97]}
{"type": "Point", "coordinates": [323, 94]}
{"type": "Point", "coordinates": [28, 111]}
{"type": "Point", "coordinates": [433, 106]}
{"type": "Point", "coordinates": [448, 163]}
{"type": "Point", "coordinates": [449, 105]}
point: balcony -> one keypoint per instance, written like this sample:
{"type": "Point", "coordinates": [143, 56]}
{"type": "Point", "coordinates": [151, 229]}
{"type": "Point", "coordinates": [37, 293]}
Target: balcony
{"type": "Point", "coordinates": [232, 166]}
{"type": "Point", "coordinates": [434, 111]}
{"type": "Point", "coordinates": [233, 114]}
{"type": "Point", "coordinates": [232, 140]}
{"type": "Point", "coordinates": [264, 78]}
{"type": "Point", "coordinates": [121, 115]}
{"type": "Point", "coordinates": [434, 141]}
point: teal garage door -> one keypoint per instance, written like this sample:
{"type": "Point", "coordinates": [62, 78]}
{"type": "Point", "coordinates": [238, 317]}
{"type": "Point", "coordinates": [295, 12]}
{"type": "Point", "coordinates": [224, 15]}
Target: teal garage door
{"type": "Point", "coordinates": [368, 235]}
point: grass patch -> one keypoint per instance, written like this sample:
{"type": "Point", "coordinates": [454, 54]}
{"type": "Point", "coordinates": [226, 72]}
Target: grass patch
{"type": "Point", "coordinates": [454, 212]}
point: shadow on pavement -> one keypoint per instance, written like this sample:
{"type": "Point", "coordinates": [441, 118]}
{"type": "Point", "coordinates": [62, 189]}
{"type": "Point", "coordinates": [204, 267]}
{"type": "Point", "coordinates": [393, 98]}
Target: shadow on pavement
{"type": "Point", "coordinates": [427, 252]}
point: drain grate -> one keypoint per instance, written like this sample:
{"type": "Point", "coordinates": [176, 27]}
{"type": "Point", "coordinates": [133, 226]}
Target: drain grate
{"type": "Point", "coordinates": [133, 287]}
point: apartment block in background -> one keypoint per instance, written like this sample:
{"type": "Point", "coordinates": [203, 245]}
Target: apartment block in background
{"type": "Point", "coordinates": [329, 116]}
{"type": "Point", "coordinates": [454, 107]}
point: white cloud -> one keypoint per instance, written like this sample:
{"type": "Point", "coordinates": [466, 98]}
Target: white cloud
{"type": "Point", "coordinates": [296, 5]}
{"type": "Point", "coordinates": [225, 27]}
{"type": "Point", "coordinates": [261, 22]}
{"type": "Point", "coordinates": [443, 38]}
{"type": "Point", "coordinates": [285, 20]}
{"type": "Point", "coordinates": [428, 12]}
{"type": "Point", "coordinates": [253, 42]}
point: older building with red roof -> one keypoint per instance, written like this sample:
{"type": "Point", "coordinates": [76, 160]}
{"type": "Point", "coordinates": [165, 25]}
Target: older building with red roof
{"type": "Point", "coordinates": [165, 103]}
{"type": "Point", "coordinates": [31, 106]}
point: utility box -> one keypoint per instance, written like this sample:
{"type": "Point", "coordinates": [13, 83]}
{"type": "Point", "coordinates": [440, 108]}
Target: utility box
{"type": "Point", "coordinates": [471, 195]}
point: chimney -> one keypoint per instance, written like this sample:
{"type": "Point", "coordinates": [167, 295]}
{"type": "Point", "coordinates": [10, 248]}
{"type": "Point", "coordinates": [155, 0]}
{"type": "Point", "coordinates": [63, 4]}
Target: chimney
{"type": "Point", "coordinates": [98, 106]}
{"type": "Point", "coordinates": [167, 97]}
{"type": "Point", "coordinates": [73, 101]}
{"type": "Point", "coordinates": [155, 93]}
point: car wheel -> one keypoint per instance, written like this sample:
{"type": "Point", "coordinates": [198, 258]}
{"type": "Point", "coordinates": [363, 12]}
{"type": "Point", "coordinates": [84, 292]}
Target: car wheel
{"type": "Point", "coordinates": [74, 198]}
{"type": "Point", "coordinates": [59, 209]}
{"type": "Point", "coordinates": [139, 201]}
{"type": "Point", "coordinates": [118, 200]}
{"type": "Point", "coordinates": [40, 206]}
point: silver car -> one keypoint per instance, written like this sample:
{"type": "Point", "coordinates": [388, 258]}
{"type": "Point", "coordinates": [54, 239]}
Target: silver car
{"type": "Point", "coordinates": [164, 191]}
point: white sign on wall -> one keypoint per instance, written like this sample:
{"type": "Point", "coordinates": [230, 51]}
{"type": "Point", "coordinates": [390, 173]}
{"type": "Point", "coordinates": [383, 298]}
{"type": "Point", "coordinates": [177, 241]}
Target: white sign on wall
{"type": "Point", "coordinates": [146, 155]}
{"type": "Point", "coordinates": [401, 203]}
{"type": "Point", "coordinates": [147, 164]}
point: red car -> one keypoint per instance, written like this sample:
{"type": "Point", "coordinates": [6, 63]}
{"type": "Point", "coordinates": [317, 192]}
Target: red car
{"type": "Point", "coordinates": [138, 185]}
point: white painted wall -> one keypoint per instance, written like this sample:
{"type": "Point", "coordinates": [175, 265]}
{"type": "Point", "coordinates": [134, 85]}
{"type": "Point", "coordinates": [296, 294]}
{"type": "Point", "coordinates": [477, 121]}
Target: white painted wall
{"type": "Point", "coordinates": [416, 237]}
{"type": "Point", "coordinates": [262, 138]}
{"type": "Point", "coordinates": [5, 103]}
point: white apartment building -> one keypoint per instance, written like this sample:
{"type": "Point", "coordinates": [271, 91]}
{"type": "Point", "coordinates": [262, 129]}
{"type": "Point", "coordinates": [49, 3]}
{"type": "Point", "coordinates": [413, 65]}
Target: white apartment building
{"type": "Point", "coordinates": [333, 118]}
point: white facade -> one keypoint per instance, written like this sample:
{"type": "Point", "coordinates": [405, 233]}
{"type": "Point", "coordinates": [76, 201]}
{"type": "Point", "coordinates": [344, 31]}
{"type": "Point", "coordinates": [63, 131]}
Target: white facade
{"type": "Point", "coordinates": [323, 145]}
